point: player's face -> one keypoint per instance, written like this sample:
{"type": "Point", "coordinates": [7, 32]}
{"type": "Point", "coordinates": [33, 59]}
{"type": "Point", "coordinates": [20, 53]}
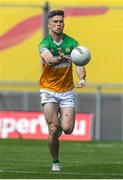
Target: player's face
{"type": "Point", "coordinates": [56, 24]}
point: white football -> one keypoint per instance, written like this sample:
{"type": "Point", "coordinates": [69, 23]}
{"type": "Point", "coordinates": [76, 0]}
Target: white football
{"type": "Point", "coordinates": [80, 55]}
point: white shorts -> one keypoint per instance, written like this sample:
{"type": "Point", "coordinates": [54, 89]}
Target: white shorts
{"type": "Point", "coordinates": [64, 99]}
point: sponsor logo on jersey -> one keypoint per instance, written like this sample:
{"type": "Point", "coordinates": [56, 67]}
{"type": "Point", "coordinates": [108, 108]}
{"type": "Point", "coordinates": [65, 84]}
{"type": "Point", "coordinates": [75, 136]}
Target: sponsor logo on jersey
{"type": "Point", "coordinates": [52, 50]}
{"type": "Point", "coordinates": [68, 50]}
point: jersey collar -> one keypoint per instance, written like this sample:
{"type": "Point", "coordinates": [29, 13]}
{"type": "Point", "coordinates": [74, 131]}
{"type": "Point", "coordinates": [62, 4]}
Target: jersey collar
{"type": "Point", "coordinates": [57, 43]}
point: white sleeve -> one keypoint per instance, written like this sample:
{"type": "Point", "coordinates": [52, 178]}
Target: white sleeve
{"type": "Point", "coordinates": [43, 50]}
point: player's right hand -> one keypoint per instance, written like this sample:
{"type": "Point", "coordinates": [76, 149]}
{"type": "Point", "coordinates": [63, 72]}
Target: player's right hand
{"type": "Point", "coordinates": [62, 56]}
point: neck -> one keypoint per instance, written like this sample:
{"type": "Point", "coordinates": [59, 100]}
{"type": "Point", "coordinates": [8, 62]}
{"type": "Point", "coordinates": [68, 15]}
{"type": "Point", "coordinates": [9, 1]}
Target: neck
{"type": "Point", "coordinates": [57, 37]}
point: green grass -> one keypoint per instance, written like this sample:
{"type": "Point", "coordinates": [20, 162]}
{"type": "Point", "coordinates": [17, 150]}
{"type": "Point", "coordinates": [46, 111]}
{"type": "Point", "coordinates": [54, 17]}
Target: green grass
{"type": "Point", "coordinates": [30, 159]}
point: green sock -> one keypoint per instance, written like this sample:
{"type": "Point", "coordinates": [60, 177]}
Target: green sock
{"type": "Point", "coordinates": [55, 161]}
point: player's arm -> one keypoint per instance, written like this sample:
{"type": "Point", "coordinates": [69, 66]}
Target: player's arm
{"type": "Point", "coordinates": [50, 59]}
{"type": "Point", "coordinates": [81, 73]}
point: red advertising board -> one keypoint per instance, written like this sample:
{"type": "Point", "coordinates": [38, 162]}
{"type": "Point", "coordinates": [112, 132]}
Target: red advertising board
{"type": "Point", "coordinates": [32, 125]}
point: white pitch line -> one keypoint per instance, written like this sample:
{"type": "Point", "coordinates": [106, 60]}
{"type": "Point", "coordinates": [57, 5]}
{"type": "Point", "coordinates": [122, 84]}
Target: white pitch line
{"type": "Point", "coordinates": [62, 173]}
{"type": "Point", "coordinates": [36, 172]}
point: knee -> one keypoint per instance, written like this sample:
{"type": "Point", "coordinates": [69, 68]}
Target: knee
{"type": "Point", "coordinates": [68, 130]}
{"type": "Point", "coordinates": [53, 130]}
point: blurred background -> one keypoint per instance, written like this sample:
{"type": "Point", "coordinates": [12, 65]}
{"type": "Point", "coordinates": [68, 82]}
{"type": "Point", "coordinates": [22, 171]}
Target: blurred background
{"type": "Point", "coordinates": [97, 25]}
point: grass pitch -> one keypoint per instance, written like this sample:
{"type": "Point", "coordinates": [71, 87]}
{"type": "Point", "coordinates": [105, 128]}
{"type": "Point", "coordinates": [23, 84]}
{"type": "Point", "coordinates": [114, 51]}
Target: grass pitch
{"type": "Point", "coordinates": [30, 159]}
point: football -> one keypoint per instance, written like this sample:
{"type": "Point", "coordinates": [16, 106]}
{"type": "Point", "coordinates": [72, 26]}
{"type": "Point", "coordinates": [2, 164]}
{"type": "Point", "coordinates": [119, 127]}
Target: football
{"type": "Point", "coordinates": [80, 56]}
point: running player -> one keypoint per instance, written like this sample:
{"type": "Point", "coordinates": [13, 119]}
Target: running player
{"type": "Point", "coordinates": [56, 82]}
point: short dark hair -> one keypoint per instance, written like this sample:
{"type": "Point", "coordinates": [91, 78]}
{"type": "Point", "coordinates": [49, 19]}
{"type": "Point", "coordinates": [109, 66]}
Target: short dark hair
{"type": "Point", "coordinates": [55, 13]}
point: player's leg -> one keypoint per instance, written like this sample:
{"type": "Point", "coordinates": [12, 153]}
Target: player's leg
{"type": "Point", "coordinates": [50, 113]}
{"type": "Point", "coordinates": [68, 119]}
{"type": "Point", "coordinates": [67, 109]}
{"type": "Point", "coordinates": [59, 121]}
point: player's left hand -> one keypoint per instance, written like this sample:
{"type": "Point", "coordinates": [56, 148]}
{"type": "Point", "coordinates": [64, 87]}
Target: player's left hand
{"type": "Point", "coordinates": [81, 83]}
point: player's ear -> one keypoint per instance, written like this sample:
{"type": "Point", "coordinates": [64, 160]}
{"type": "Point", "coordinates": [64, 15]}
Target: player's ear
{"type": "Point", "coordinates": [63, 25]}
{"type": "Point", "coordinates": [49, 24]}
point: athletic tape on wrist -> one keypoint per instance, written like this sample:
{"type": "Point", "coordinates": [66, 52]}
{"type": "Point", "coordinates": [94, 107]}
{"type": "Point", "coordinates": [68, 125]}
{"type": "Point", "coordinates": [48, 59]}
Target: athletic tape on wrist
{"type": "Point", "coordinates": [82, 81]}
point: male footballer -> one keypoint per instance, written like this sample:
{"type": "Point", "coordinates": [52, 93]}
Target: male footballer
{"type": "Point", "coordinates": [56, 83]}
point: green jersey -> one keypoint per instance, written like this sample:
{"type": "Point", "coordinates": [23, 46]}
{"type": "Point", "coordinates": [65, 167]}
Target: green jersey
{"type": "Point", "coordinates": [57, 78]}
